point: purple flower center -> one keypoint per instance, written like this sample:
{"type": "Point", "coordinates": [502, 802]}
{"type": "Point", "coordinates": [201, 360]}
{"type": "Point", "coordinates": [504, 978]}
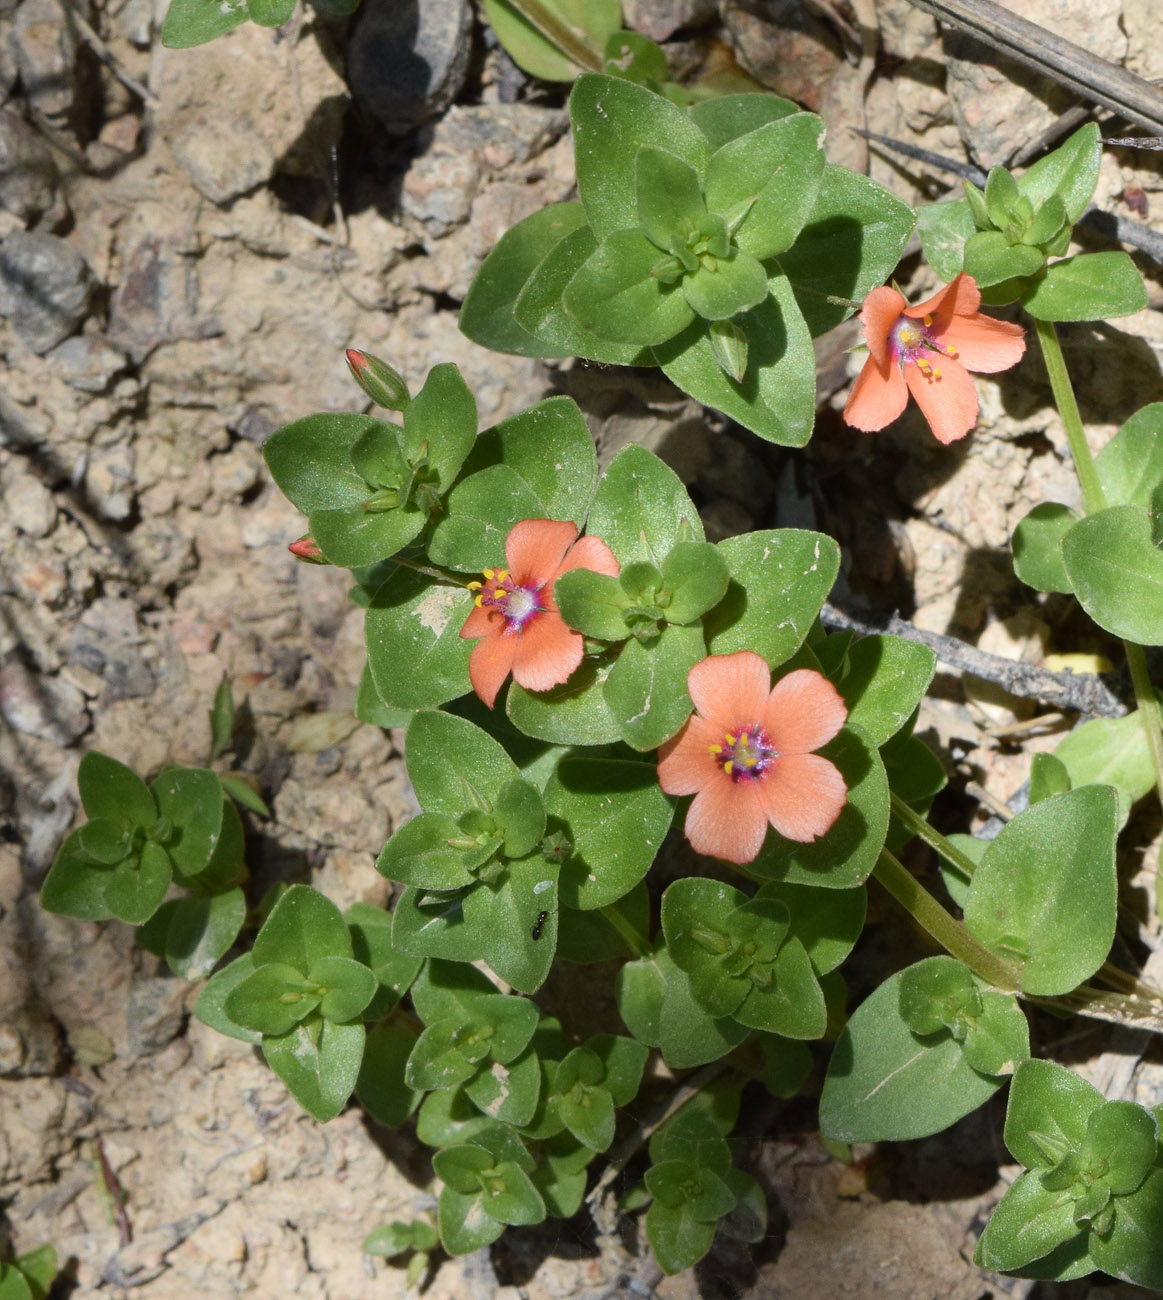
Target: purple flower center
{"type": "Point", "coordinates": [518, 603]}
{"type": "Point", "coordinates": [911, 340]}
{"type": "Point", "coordinates": [744, 754]}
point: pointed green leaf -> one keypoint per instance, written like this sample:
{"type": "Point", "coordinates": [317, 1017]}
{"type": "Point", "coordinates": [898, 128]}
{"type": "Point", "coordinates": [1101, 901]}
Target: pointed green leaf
{"type": "Point", "coordinates": [319, 1062]}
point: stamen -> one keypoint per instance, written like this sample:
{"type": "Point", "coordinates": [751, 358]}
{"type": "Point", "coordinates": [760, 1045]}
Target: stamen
{"type": "Point", "coordinates": [716, 749]}
{"type": "Point", "coordinates": [473, 586]}
{"type": "Point", "coordinates": [744, 754]}
{"type": "Point", "coordinates": [936, 374]}
{"type": "Point", "coordinates": [728, 767]}
{"type": "Point", "coordinates": [928, 321]}
{"type": "Point", "coordinates": [950, 349]}
{"type": "Point", "coordinates": [730, 739]}
{"type": "Point", "coordinates": [490, 574]}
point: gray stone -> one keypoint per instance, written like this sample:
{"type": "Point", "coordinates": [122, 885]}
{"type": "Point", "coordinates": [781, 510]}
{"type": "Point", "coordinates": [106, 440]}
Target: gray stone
{"type": "Point", "coordinates": [156, 1013]}
{"type": "Point", "coordinates": [224, 163]}
{"type": "Point", "coordinates": [88, 362]}
{"type": "Point", "coordinates": [659, 19]}
{"type": "Point", "coordinates": [44, 46]}
{"type": "Point", "coordinates": [45, 286]}
{"type": "Point", "coordinates": [106, 641]}
{"type": "Point", "coordinates": [47, 707]}
{"type": "Point", "coordinates": [406, 59]}
{"type": "Point", "coordinates": [28, 174]}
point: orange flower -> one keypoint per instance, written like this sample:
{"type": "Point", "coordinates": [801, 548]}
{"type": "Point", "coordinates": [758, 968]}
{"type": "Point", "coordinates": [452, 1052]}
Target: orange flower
{"type": "Point", "coordinates": [515, 616]}
{"type": "Point", "coordinates": [905, 344]}
{"type": "Point", "coordinates": [746, 756]}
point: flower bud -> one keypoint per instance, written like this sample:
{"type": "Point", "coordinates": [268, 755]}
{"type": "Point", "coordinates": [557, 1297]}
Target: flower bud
{"type": "Point", "coordinates": [729, 348]}
{"type": "Point", "coordinates": [307, 548]}
{"type": "Point", "coordinates": [381, 382]}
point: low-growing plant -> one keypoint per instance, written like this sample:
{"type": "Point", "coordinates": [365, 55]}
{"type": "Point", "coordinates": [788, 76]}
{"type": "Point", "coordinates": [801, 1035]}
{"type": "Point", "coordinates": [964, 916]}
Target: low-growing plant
{"type": "Point", "coordinates": [579, 671]}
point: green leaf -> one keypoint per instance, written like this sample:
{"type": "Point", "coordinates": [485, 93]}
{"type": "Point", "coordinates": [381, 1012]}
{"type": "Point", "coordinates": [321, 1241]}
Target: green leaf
{"type": "Point", "coordinates": [612, 119]}
{"type": "Point", "coordinates": [944, 230]}
{"type": "Point", "coordinates": [192, 799]}
{"type": "Point", "coordinates": [13, 1285]}
{"type": "Point", "coordinates": [687, 1035]}
{"type": "Point", "coordinates": [792, 1004]}
{"type": "Point", "coordinates": [194, 22]}
{"type": "Point", "coordinates": [353, 537]}
{"type": "Point", "coordinates": [371, 943]}
{"type": "Point", "coordinates": [311, 460]}
{"type": "Point", "coordinates": [434, 925]}
{"type": "Point", "coordinates": [371, 709]}
{"type": "Point", "coordinates": [103, 842]}
{"type": "Point", "coordinates": [40, 1268]}
{"type": "Point", "coordinates": [1001, 197]}
{"type": "Point", "coordinates": [113, 791]}
{"type": "Point", "coordinates": [211, 1005]}
{"type": "Point", "coordinates": [1110, 751]}
{"type": "Point", "coordinates": [464, 1225]}
{"type": "Point", "coordinates": [1116, 572]}
{"type": "Point", "coordinates": [853, 238]}
{"type": "Point", "coordinates": [886, 679]}
{"type": "Point", "coordinates": [1027, 1224]}
{"type": "Point", "coordinates": [1045, 894]}
{"type": "Point", "coordinates": [540, 308]}
{"type": "Point", "coordinates": [887, 1084]}
{"type": "Point", "coordinates": [638, 59]}
{"type": "Point", "coordinates": [270, 13]}
{"type": "Point", "coordinates": [826, 921]}
{"type": "Point", "coordinates": [348, 986]}
{"type": "Point", "coordinates": [1070, 172]}
{"type": "Point", "coordinates": [391, 1239]}
{"type": "Point", "coordinates": [486, 315]}
{"type": "Point", "coordinates": [773, 175]}
{"type": "Point", "coordinates": [415, 651]}
{"type": "Point", "coordinates": [720, 289]}
{"type": "Point", "coordinates": [640, 497]}
{"type": "Point", "coordinates": [1049, 775]}
{"type": "Point", "coordinates": [1130, 466]}
{"type": "Point", "coordinates": [441, 423]}
{"type": "Point", "coordinates": [1048, 1104]}
{"type": "Point", "coordinates": [618, 295]}
{"type": "Point", "coordinates": [992, 260]}
{"type": "Point", "coordinates": [201, 932]}
{"type": "Point", "coordinates": [780, 579]}
{"type": "Point", "coordinates": [302, 927]}
{"type": "Point", "coordinates": [615, 816]}
{"type": "Point", "coordinates": [319, 1062]}
{"type": "Point", "coordinates": [574, 713]}
{"type": "Point", "coordinates": [272, 1000]}
{"type": "Point", "coordinates": [677, 1239]}
{"type": "Point", "coordinates": [670, 201]}
{"type": "Point", "coordinates": [592, 603]}
{"type": "Point", "coordinates": [453, 765]}
{"type": "Point", "coordinates": [646, 688]}
{"type": "Point", "coordinates": [776, 396]}
{"type": "Point", "coordinates": [550, 447]}
{"type": "Point", "coordinates": [506, 913]}
{"type": "Point", "coordinates": [134, 889]}
{"type": "Point", "coordinates": [1090, 286]}
{"type": "Point", "coordinates": [448, 1117]}
{"type": "Point", "coordinates": [479, 513]}
{"type": "Point", "coordinates": [1038, 547]}
{"type": "Point", "coordinates": [508, 1093]}
{"type": "Point", "coordinates": [380, 1086]}
{"type": "Point", "coordinates": [594, 21]}
{"type": "Point", "coordinates": [845, 856]}
{"type": "Point", "coordinates": [75, 886]}
{"type": "Point", "coordinates": [695, 578]}
{"type": "Point", "coordinates": [1132, 1250]}
{"type": "Point", "coordinates": [726, 117]}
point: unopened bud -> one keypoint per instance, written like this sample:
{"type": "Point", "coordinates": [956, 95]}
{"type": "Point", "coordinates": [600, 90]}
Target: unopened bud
{"type": "Point", "coordinates": [307, 548]}
{"type": "Point", "coordinates": [729, 346]}
{"type": "Point", "coordinates": [381, 382]}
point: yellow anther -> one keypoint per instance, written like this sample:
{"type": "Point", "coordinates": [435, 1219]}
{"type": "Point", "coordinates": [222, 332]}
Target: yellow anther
{"type": "Point", "coordinates": [935, 372]}
{"type": "Point", "coordinates": [743, 740]}
{"type": "Point", "coordinates": [490, 574]}
{"type": "Point", "coordinates": [924, 367]}
{"type": "Point", "coordinates": [928, 320]}
{"type": "Point", "coordinates": [952, 351]}
{"type": "Point", "coordinates": [730, 739]}
{"type": "Point", "coordinates": [716, 749]}
{"type": "Point", "coordinates": [499, 591]}
{"type": "Point", "coordinates": [502, 575]}
{"type": "Point", "coordinates": [474, 586]}
{"type": "Point", "coordinates": [727, 766]}
{"type": "Point", "coordinates": [751, 761]}
{"type": "Point", "coordinates": [478, 601]}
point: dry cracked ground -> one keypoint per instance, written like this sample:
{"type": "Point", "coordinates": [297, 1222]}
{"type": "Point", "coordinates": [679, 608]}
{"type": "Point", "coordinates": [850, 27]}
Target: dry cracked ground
{"type": "Point", "coordinates": [188, 241]}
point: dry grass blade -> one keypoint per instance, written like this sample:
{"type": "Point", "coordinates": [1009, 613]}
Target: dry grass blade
{"type": "Point", "coordinates": [1093, 78]}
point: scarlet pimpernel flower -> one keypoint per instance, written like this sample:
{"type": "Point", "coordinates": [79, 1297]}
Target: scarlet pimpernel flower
{"type": "Point", "coordinates": [928, 350]}
{"type": "Point", "coordinates": [515, 616]}
{"type": "Point", "coordinates": [746, 755]}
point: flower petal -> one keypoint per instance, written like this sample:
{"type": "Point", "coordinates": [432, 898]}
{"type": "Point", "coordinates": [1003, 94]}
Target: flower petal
{"type": "Point", "coordinates": [547, 652]}
{"type": "Point", "coordinates": [481, 621]}
{"type": "Point", "coordinates": [803, 794]}
{"type": "Point", "coordinates": [535, 548]}
{"type": "Point", "coordinates": [949, 403]}
{"type": "Point", "coordinates": [878, 316]}
{"type": "Point", "coordinates": [590, 553]}
{"type": "Point", "coordinates": [878, 396]}
{"type": "Point", "coordinates": [960, 297]}
{"type": "Point", "coordinates": [982, 344]}
{"type": "Point", "coordinates": [730, 690]}
{"type": "Point", "coordinates": [685, 763]}
{"type": "Point", "coordinates": [490, 663]}
{"type": "Point", "coordinates": [726, 820]}
{"type": "Point", "coordinates": [803, 712]}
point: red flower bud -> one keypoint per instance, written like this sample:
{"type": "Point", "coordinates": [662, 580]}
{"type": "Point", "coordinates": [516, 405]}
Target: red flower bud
{"type": "Point", "coordinates": [381, 382]}
{"type": "Point", "coordinates": [307, 548]}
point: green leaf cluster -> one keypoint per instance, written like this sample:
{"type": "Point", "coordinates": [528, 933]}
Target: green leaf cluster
{"type": "Point", "coordinates": [706, 241]}
{"type": "Point", "coordinates": [29, 1276]}
{"type": "Point", "coordinates": [1092, 1191]}
{"type": "Point", "coordinates": [1010, 235]}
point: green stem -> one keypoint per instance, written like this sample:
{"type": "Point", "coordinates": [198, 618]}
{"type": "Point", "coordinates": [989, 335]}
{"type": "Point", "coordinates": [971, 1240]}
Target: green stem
{"type": "Point", "coordinates": [1093, 499]}
{"type": "Point", "coordinates": [569, 40]}
{"type": "Point", "coordinates": [638, 944]}
{"type": "Point", "coordinates": [936, 921]}
{"type": "Point", "coordinates": [914, 822]}
{"type": "Point", "coordinates": [1092, 493]}
{"type": "Point", "coordinates": [452, 579]}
